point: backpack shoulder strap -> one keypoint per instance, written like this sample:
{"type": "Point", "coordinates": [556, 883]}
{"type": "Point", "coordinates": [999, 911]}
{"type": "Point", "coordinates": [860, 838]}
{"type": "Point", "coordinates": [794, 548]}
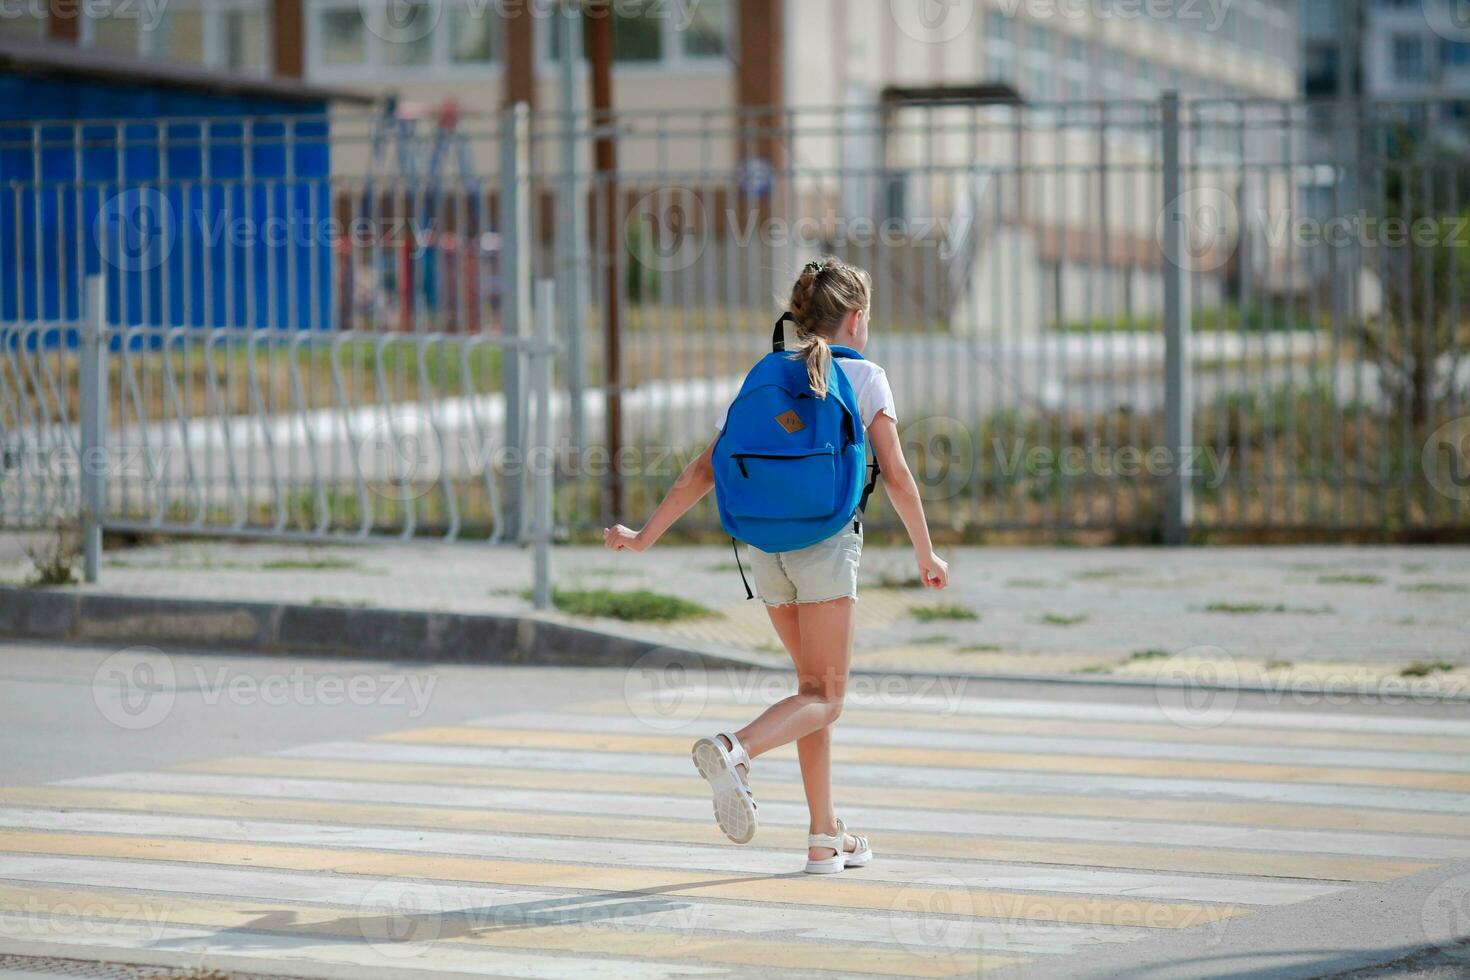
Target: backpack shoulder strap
{"type": "Point", "coordinates": [778, 336]}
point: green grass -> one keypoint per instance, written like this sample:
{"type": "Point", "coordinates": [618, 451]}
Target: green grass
{"type": "Point", "coordinates": [1148, 655]}
{"type": "Point", "coordinates": [1277, 664]}
{"type": "Point", "coordinates": [1349, 580]}
{"type": "Point", "coordinates": [1256, 608]}
{"type": "Point", "coordinates": [1061, 619]}
{"type": "Point", "coordinates": [1420, 669]}
{"type": "Point", "coordinates": [943, 611]}
{"type": "Point", "coordinates": [1231, 317]}
{"type": "Point", "coordinates": [981, 648]}
{"type": "Point", "coordinates": [1436, 588]}
{"type": "Point", "coordinates": [309, 564]}
{"type": "Point", "coordinates": [938, 639]}
{"type": "Point", "coordinates": [1094, 669]}
{"type": "Point", "coordinates": [1028, 583]}
{"type": "Point", "coordinates": [343, 603]}
{"type": "Point", "coordinates": [637, 605]}
{"type": "Point", "coordinates": [890, 580]}
{"type": "Point", "coordinates": [1102, 574]}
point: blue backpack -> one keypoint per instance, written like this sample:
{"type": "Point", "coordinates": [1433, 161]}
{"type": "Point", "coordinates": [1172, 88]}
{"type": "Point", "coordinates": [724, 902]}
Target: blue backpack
{"type": "Point", "coordinates": [789, 465]}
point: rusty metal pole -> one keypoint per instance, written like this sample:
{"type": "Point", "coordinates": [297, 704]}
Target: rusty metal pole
{"type": "Point", "coordinates": [599, 30]}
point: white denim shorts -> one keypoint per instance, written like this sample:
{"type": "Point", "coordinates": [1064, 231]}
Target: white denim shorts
{"type": "Point", "coordinates": [821, 572]}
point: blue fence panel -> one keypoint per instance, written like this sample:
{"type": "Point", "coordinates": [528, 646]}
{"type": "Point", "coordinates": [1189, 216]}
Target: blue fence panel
{"type": "Point", "coordinates": [203, 210]}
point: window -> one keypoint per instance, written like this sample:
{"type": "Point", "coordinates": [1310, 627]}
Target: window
{"type": "Point", "coordinates": [228, 34]}
{"type": "Point", "coordinates": [472, 36]}
{"type": "Point", "coordinates": [405, 32]}
{"type": "Point", "coordinates": [637, 31]}
{"type": "Point", "coordinates": [1000, 47]}
{"type": "Point", "coordinates": [246, 38]}
{"type": "Point", "coordinates": [671, 36]}
{"type": "Point", "coordinates": [179, 35]}
{"type": "Point", "coordinates": [1454, 55]}
{"type": "Point", "coordinates": [1040, 69]}
{"type": "Point", "coordinates": [343, 37]}
{"type": "Point", "coordinates": [707, 32]}
{"type": "Point", "coordinates": [23, 24]}
{"type": "Point", "coordinates": [1321, 69]}
{"type": "Point", "coordinates": [116, 33]}
{"type": "Point", "coordinates": [1408, 58]}
{"type": "Point", "coordinates": [1076, 70]}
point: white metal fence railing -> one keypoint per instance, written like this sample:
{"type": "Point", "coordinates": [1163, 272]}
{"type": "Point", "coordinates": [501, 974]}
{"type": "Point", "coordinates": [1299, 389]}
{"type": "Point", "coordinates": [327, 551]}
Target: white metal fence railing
{"type": "Point", "coordinates": [1149, 319]}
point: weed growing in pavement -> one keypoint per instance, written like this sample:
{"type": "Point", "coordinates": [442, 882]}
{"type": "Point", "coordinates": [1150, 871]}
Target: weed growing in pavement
{"type": "Point", "coordinates": [943, 611]}
{"type": "Point", "coordinates": [637, 605]}
{"type": "Point", "coordinates": [1421, 669]}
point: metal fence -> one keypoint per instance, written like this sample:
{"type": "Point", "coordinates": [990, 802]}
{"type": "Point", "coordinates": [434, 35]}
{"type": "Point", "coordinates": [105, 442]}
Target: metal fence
{"type": "Point", "coordinates": [1142, 319]}
{"type": "Point", "coordinates": [1148, 319]}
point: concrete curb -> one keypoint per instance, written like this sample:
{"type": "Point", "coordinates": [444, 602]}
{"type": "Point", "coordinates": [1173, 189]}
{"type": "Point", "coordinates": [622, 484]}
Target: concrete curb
{"type": "Point", "coordinates": [279, 628]}
{"type": "Point", "coordinates": [470, 638]}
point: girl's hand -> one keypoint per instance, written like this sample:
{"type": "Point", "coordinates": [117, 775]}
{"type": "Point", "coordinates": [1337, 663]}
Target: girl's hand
{"type": "Point", "coordinates": [620, 538]}
{"type": "Point", "coordinates": [933, 571]}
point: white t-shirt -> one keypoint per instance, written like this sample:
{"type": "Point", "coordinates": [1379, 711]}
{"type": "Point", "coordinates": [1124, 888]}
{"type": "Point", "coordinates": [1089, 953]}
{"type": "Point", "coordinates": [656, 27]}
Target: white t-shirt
{"type": "Point", "coordinates": [869, 384]}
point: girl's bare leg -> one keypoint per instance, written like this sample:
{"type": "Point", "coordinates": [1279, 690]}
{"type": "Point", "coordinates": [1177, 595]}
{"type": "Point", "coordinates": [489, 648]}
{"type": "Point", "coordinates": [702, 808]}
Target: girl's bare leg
{"type": "Point", "coordinates": [819, 638]}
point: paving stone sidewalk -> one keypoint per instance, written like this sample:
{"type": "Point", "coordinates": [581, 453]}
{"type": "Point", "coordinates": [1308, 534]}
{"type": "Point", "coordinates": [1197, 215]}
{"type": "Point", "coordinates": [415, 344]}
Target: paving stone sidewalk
{"type": "Point", "coordinates": [1339, 617]}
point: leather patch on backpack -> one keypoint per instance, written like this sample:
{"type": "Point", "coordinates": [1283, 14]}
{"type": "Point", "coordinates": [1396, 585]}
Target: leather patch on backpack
{"type": "Point", "coordinates": [790, 421]}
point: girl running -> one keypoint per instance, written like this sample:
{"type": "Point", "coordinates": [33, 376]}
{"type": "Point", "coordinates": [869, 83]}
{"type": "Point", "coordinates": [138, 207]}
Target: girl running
{"type": "Point", "coordinates": [809, 593]}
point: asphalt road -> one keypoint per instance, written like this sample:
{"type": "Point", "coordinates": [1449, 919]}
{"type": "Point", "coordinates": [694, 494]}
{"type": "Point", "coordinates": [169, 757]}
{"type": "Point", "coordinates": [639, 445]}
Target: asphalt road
{"type": "Point", "coordinates": [332, 818]}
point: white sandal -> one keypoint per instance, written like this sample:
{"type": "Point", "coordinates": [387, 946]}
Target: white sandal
{"type": "Point", "coordinates": [734, 806]}
{"type": "Point", "coordinates": [860, 854]}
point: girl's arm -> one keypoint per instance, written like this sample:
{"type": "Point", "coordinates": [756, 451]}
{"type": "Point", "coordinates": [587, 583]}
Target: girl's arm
{"type": "Point", "coordinates": [696, 480]}
{"type": "Point", "coordinates": [903, 492]}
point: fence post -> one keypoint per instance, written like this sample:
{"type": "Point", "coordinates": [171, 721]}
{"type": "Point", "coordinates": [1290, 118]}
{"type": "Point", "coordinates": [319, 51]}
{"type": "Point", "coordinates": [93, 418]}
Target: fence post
{"type": "Point", "coordinates": [571, 231]}
{"type": "Point", "coordinates": [93, 411]}
{"type": "Point", "coordinates": [1178, 396]}
{"type": "Point", "coordinates": [515, 301]}
{"type": "Point", "coordinates": [543, 489]}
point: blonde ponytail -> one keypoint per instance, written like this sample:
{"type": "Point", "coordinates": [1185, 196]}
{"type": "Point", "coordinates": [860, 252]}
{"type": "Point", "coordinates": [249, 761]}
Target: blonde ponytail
{"type": "Point", "coordinates": [826, 291]}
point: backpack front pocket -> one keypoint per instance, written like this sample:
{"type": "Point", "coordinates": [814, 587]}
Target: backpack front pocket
{"type": "Point", "coordinates": [783, 484]}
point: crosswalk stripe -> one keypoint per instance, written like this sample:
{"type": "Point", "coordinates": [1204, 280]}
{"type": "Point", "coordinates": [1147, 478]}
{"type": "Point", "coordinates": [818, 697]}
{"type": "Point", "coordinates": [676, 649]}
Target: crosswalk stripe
{"type": "Point", "coordinates": [957, 758]}
{"type": "Point", "coordinates": [874, 819]}
{"type": "Point", "coordinates": [1302, 817]}
{"type": "Point", "coordinates": [860, 696]}
{"type": "Point", "coordinates": [529, 846]}
{"type": "Point", "coordinates": [798, 889]}
{"type": "Point", "coordinates": [583, 938]}
{"type": "Point", "coordinates": [856, 733]}
{"type": "Point", "coordinates": [893, 843]}
{"type": "Point", "coordinates": [151, 945]}
{"type": "Point", "coordinates": [1160, 732]}
{"type": "Point", "coordinates": [530, 905]}
{"type": "Point", "coordinates": [904, 779]}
